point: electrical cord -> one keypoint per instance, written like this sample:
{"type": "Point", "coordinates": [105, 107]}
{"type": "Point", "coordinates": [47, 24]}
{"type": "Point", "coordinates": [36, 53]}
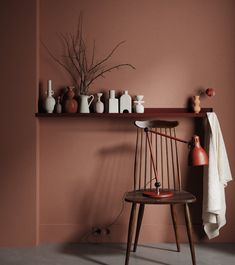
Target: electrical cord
{"type": "Point", "coordinates": [86, 236]}
{"type": "Point", "coordinates": [107, 227]}
{"type": "Point", "coordinates": [119, 214]}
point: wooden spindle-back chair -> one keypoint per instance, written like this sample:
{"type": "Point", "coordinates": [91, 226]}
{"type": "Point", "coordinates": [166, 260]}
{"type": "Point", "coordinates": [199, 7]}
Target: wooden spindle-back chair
{"type": "Point", "coordinates": [157, 159]}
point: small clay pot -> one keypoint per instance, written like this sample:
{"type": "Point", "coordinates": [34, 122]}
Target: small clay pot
{"type": "Point", "coordinates": [196, 104]}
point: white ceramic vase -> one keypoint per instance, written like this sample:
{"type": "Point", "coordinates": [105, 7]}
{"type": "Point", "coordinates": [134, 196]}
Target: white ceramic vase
{"type": "Point", "coordinates": [49, 101]}
{"type": "Point", "coordinates": [99, 106]}
{"type": "Point", "coordinates": [58, 106]}
{"type": "Point", "coordinates": [139, 107]}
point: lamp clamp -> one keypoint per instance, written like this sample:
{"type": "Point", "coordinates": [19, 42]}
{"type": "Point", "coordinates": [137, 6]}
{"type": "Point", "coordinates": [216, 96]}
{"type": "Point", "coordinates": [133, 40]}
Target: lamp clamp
{"type": "Point", "coordinates": [157, 185]}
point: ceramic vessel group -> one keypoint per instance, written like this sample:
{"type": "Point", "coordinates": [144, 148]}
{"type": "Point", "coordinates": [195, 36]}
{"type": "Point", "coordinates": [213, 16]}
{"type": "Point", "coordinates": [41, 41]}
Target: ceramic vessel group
{"type": "Point", "coordinates": [69, 103]}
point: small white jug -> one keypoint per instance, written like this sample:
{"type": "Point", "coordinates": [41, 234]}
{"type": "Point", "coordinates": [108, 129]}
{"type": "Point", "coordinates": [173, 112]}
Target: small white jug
{"type": "Point", "coordinates": [85, 103]}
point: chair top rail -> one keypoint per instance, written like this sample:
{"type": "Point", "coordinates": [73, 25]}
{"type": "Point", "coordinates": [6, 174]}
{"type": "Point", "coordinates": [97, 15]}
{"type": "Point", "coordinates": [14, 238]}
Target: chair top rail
{"type": "Point", "coordinates": [156, 124]}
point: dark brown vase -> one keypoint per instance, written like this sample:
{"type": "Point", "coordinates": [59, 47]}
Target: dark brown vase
{"type": "Point", "coordinates": [70, 104]}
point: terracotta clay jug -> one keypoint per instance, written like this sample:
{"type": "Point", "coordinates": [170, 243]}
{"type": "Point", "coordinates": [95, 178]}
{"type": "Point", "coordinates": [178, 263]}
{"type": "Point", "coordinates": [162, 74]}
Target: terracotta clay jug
{"type": "Point", "coordinates": [70, 104]}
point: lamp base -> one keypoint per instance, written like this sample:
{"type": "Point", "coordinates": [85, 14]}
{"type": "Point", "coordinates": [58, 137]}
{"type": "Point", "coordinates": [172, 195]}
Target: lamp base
{"type": "Point", "coordinates": [161, 195]}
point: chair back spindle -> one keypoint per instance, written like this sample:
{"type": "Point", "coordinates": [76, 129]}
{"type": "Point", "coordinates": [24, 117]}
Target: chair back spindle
{"type": "Point", "coordinates": [156, 155]}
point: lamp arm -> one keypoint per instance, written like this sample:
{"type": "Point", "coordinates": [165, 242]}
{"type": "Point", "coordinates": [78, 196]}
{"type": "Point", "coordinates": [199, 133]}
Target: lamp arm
{"type": "Point", "coordinates": [167, 136]}
{"type": "Point", "coordinates": [151, 153]}
{"type": "Point", "coordinates": [198, 156]}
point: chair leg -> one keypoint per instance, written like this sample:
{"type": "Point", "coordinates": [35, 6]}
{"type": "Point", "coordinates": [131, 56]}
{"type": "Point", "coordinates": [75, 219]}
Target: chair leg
{"type": "Point", "coordinates": [189, 231]}
{"type": "Point", "coordinates": [138, 226]}
{"type": "Point", "coordinates": [173, 216]}
{"type": "Point", "coordinates": [130, 232]}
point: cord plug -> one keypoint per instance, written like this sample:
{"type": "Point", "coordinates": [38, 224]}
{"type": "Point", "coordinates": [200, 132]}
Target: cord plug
{"type": "Point", "coordinates": [98, 231]}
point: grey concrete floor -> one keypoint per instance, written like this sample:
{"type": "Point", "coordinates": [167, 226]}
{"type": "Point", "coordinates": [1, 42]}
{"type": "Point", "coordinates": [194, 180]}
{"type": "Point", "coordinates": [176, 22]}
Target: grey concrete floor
{"type": "Point", "coordinates": [114, 254]}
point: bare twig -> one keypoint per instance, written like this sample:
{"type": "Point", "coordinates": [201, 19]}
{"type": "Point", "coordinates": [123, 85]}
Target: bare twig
{"type": "Point", "coordinates": [70, 56]}
{"type": "Point", "coordinates": [83, 71]}
{"type": "Point", "coordinates": [60, 63]}
{"type": "Point", "coordinates": [79, 28]}
{"type": "Point", "coordinates": [109, 70]}
{"type": "Point", "coordinates": [93, 54]}
{"type": "Point", "coordinates": [108, 56]}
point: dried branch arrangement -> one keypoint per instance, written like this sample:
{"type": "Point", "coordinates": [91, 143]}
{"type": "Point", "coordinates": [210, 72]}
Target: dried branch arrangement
{"type": "Point", "coordinates": [82, 70]}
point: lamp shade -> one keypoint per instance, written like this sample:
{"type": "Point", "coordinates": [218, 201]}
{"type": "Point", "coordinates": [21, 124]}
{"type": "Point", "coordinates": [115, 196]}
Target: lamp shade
{"type": "Point", "coordinates": [197, 155]}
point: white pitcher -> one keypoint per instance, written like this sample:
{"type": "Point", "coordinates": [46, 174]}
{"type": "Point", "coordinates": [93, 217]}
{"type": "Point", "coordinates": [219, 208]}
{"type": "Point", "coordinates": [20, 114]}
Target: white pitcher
{"type": "Point", "coordinates": [85, 102]}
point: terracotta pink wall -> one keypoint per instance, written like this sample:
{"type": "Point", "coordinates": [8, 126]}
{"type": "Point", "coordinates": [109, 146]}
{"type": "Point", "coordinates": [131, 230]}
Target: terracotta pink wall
{"type": "Point", "coordinates": [18, 125]}
{"type": "Point", "coordinates": [177, 48]}
{"type": "Point", "coordinates": [84, 164]}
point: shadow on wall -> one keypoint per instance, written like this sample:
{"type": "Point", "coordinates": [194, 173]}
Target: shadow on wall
{"type": "Point", "coordinates": [102, 202]}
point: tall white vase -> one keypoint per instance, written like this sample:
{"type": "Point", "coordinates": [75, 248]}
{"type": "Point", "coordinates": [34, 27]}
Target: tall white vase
{"type": "Point", "coordinates": [49, 103]}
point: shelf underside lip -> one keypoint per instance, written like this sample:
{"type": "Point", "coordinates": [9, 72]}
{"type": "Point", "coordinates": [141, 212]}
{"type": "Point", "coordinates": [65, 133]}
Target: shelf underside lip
{"type": "Point", "coordinates": [149, 112]}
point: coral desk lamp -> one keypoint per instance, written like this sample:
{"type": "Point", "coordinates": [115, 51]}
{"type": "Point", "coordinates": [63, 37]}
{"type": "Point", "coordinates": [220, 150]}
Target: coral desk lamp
{"type": "Point", "coordinates": [197, 157]}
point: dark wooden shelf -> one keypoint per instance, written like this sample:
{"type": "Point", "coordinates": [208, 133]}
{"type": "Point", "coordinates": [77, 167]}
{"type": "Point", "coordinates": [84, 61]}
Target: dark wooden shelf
{"type": "Point", "coordinates": [149, 113]}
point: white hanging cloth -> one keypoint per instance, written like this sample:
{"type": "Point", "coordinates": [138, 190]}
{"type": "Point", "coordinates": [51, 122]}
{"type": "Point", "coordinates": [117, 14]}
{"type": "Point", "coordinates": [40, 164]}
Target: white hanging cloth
{"type": "Point", "coordinates": [216, 176]}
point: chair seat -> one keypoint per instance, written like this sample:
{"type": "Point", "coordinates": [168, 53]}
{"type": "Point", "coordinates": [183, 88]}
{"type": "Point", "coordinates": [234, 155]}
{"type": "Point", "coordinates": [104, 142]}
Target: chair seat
{"type": "Point", "coordinates": [179, 197]}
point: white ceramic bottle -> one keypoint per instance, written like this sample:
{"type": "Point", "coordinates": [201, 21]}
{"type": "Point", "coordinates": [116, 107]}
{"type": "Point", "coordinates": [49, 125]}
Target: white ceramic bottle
{"type": "Point", "coordinates": [49, 101]}
{"type": "Point", "coordinates": [99, 106]}
{"type": "Point", "coordinates": [125, 103]}
{"type": "Point", "coordinates": [113, 102]}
